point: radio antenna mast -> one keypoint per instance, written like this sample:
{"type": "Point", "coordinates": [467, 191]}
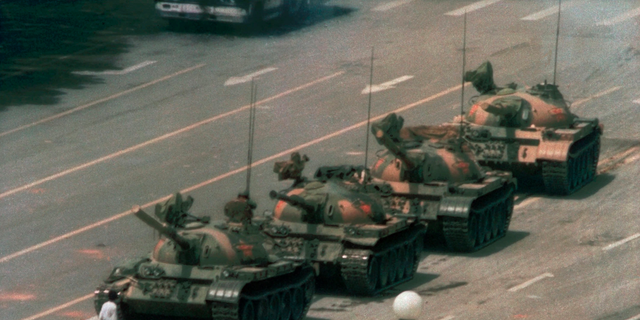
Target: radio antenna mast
{"type": "Point", "coordinates": [252, 116]}
{"type": "Point", "coordinates": [464, 61]}
{"type": "Point", "coordinates": [555, 60]}
{"type": "Point", "coordinates": [366, 148]}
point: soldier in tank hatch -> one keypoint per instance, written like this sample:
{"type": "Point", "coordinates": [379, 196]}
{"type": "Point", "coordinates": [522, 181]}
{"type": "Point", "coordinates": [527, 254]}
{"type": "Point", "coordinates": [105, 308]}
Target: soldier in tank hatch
{"type": "Point", "coordinates": [240, 209]}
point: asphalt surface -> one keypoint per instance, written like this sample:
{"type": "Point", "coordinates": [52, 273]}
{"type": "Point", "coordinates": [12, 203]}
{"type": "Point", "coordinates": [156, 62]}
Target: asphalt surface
{"type": "Point", "coordinates": [125, 111]}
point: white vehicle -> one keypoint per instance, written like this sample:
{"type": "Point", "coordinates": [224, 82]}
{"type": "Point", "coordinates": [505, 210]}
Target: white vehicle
{"type": "Point", "coordinates": [232, 11]}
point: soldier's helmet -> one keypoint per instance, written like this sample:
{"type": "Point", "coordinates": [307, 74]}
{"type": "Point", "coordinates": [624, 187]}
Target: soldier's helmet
{"type": "Point", "coordinates": [240, 209]}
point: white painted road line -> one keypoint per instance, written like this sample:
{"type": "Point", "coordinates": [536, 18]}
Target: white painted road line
{"type": "Point", "coordinates": [111, 97]}
{"type": "Point", "coordinates": [621, 18]}
{"type": "Point", "coordinates": [93, 318]}
{"type": "Point", "coordinates": [636, 101]}
{"type": "Point", "coordinates": [60, 307]}
{"type": "Point", "coordinates": [115, 72]}
{"type": "Point", "coordinates": [448, 318]}
{"type": "Point", "coordinates": [526, 202]}
{"type": "Point", "coordinates": [220, 177]}
{"type": "Point", "coordinates": [597, 95]}
{"type": "Point", "coordinates": [238, 80]}
{"type": "Point", "coordinates": [385, 86]}
{"type": "Point", "coordinates": [621, 242]}
{"type": "Point", "coordinates": [547, 12]}
{"type": "Point", "coordinates": [160, 138]}
{"type": "Point", "coordinates": [471, 7]}
{"type": "Point", "coordinates": [530, 282]}
{"type": "Point", "coordinates": [390, 5]}
{"type": "Point", "coordinates": [225, 175]}
{"type": "Point", "coordinates": [635, 317]}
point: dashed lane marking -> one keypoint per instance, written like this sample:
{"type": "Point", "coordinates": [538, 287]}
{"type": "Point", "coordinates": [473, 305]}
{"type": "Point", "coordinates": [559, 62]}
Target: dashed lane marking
{"type": "Point", "coordinates": [391, 5]}
{"type": "Point", "coordinates": [115, 72]}
{"type": "Point", "coordinates": [530, 282]}
{"type": "Point", "coordinates": [161, 138]}
{"type": "Point", "coordinates": [635, 317]}
{"type": "Point", "coordinates": [448, 318]}
{"type": "Point", "coordinates": [220, 177]}
{"type": "Point", "coordinates": [385, 86]}
{"type": "Point", "coordinates": [636, 101]}
{"type": "Point", "coordinates": [597, 95]}
{"type": "Point", "coordinates": [111, 97]}
{"type": "Point", "coordinates": [526, 202]}
{"type": "Point", "coordinates": [471, 7]}
{"type": "Point", "coordinates": [621, 242]}
{"type": "Point", "coordinates": [238, 80]}
{"type": "Point", "coordinates": [621, 18]}
{"type": "Point", "coordinates": [547, 12]}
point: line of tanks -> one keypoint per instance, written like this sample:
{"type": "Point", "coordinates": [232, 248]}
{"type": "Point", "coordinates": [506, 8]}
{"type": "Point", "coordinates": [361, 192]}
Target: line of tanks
{"type": "Point", "coordinates": [361, 226]}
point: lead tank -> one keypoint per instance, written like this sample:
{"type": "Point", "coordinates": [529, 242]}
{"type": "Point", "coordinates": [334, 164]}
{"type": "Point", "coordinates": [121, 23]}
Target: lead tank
{"type": "Point", "coordinates": [204, 271]}
{"type": "Point", "coordinates": [433, 174]}
{"type": "Point", "coordinates": [343, 230]}
{"type": "Point", "coordinates": [531, 132]}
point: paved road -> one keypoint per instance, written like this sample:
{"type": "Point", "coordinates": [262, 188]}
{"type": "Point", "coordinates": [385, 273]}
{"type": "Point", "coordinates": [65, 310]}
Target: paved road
{"type": "Point", "coordinates": [158, 118]}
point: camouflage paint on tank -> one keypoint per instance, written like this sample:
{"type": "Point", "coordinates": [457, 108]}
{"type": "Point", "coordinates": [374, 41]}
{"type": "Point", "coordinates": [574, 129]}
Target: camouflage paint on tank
{"type": "Point", "coordinates": [532, 132]}
{"type": "Point", "coordinates": [203, 270]}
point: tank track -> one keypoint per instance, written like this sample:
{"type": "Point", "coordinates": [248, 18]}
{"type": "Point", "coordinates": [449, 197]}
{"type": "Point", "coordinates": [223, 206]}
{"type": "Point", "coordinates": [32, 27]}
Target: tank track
{"type": "Point", "coordinates": [258, 303]}
{"type": "Point", "coordinates": [369, 272]}
{"type": "Point", "coordinates": [488, 221]}
{"type": "Point", "coordinates": [564, 178]}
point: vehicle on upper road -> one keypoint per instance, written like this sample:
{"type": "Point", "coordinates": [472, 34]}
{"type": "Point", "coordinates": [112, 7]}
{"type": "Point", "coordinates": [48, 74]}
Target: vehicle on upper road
{"type": "Point", "coordinates": [232, 11]}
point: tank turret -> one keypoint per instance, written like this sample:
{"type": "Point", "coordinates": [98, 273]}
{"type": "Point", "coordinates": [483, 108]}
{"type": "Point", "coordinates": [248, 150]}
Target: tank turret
{"type": "Point", "coordinates": [435, 176]}
{"type": "Point", "coordinates": [208, 271]}
{"type": "Point", "coordinates": [419, 161]}
{"type": "Point", "coordinates": [531, 132]}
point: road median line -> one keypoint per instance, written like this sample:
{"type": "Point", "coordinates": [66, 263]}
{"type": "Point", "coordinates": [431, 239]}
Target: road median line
{"type": "Point", "coordinates": [161, 138]}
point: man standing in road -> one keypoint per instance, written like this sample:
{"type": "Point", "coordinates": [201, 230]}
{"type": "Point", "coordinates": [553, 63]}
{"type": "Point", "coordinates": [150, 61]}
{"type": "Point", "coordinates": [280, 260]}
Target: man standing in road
{"type": "Point", "coordinates": [109, 308]}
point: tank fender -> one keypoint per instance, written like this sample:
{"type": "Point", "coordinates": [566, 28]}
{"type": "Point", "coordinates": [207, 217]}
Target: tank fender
{"type": "Point", "coordinates": [458, 207]}
{"type": "Point", "coordinates": [225, 291]}
{"type": "Point", "coordinates": [554, 150]}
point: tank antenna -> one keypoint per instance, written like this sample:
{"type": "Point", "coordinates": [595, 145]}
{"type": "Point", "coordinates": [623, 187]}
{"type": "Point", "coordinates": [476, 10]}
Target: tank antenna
{"type": "Point", "coordinates": [366, 148]}
{"type": "Point", "coordinates": [555, 60]}
{"type": "Point", "coordinates": [464, 61]}
{"type": "Point", "coordinates": [252, 117]}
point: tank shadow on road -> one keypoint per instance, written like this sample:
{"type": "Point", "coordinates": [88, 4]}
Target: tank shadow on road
{"type": "Point", "coordinates": [437, 245]}
{"type": "Point", "coordinates": [337, 289]}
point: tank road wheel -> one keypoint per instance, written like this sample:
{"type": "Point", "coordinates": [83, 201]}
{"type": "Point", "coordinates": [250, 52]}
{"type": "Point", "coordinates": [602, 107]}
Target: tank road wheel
{"type": "Point", "coordinates": [262, 308]}
{"type": "Point", "coordinates": [273, 311]}
{"type": "Point", "coordinates": [393, 266]}
{"type": "Point", "coordinates": [486, 225]}
{"type": "Point", "coordinates": [384, 271]}
{"type": "Point", "coordinates": [309, 290]}
{"type": "Point", "coordinates": [499, 215]}
{"type": "Point", "coordinates": [402, 262]}
{"type": "Point", "coordinates": [285, 306]}
{"type": "Point", "coordinates": [411, 260]}
{"type": "Point", "coordinates": [297, 304]}
{"type": "Point", "coordinates": [373, 274]}
{"type": "Point", "coordinates": [248, 311]}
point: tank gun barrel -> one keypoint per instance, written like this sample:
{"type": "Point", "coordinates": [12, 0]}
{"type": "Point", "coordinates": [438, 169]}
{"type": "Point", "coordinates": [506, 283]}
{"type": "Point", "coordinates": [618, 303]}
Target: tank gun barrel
{"type": "Point", "coordinates": [167, 231]}
{"type": "Point", "coordinates": [384, 139]}
{"type": "Point", "coordinates": [293, 200]}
